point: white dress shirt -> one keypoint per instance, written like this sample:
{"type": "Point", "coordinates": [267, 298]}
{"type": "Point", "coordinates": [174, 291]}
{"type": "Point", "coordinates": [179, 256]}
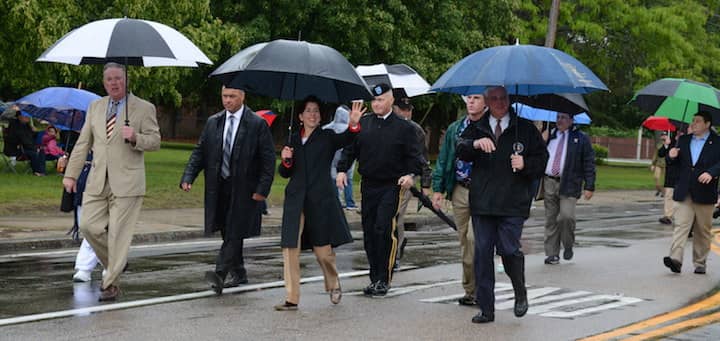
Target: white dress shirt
{"type": "Point", "coordinates": [504, 122]}
{"type": "Point", "coordinates": [236, 118]}
{"type": "Point", "coordinates": [552, 147]}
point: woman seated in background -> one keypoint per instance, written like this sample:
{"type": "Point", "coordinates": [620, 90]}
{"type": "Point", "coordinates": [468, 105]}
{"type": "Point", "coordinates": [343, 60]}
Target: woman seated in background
{"type": "Point", "coordinates": [49, 144]}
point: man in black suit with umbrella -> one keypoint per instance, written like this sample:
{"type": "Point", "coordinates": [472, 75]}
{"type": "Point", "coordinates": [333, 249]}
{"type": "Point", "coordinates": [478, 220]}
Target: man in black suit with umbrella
{"type": "Point", "coordinates": [237, 154]}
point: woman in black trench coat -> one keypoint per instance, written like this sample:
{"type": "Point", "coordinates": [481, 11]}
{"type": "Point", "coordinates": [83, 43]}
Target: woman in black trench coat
{"type": "Point", "coordinates": [312, 215]}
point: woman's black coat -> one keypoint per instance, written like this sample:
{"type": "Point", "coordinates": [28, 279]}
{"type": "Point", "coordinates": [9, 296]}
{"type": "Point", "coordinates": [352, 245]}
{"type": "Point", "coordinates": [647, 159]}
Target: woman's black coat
{"type": "Point", "coordinates": [312, 191]}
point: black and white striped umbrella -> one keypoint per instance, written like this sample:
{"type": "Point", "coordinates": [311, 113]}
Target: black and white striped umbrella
{"type": "Point", "coordinates": [125, 41]}
{"type": "Point", "coordinates": [398, 76]}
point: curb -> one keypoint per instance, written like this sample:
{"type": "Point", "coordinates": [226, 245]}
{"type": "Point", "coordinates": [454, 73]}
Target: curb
{"type": "Point", "coordinates": [31, 244]}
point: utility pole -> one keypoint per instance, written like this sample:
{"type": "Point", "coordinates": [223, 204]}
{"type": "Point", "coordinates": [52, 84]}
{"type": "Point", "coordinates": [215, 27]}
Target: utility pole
{"type": "Point", "coordinates": [552, 24]}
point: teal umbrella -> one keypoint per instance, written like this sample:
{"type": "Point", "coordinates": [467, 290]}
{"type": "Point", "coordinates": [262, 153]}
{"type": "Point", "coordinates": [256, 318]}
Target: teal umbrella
{"type": "Point", "coordinates": [679, 99]}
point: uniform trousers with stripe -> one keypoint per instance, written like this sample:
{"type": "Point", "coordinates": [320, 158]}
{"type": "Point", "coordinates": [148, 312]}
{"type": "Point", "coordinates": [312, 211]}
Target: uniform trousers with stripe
{"type": "Point", "coordinates": [379, 212]}
{"type": "Point", "coordinates": [108, 223]}
{"type": "Point", "coordinates": [291, 266]}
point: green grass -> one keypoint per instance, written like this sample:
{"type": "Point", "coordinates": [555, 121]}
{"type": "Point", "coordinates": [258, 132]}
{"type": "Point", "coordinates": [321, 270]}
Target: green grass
{"type": "Point", "coordinates": [28, 194]}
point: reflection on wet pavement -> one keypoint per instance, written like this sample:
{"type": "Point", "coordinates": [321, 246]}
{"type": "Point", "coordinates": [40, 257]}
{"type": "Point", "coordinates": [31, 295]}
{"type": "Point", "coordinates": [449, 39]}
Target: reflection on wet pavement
{"type": "Point", "coordinates": [44, 284]}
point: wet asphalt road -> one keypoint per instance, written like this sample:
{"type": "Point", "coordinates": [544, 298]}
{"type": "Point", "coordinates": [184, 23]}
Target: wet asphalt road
{"type": "Point", "coordinates": [42, 282]}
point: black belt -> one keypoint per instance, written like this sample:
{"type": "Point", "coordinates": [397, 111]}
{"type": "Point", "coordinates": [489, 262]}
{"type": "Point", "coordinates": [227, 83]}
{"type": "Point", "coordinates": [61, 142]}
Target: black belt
{"type": "Point", "coordinates": [556, 178]}
{"type": "Point", "coordinates": [464, 183]}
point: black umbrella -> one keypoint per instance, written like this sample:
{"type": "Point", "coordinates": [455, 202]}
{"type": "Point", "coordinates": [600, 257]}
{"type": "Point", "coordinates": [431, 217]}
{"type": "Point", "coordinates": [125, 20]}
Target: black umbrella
{"type": "Point", "coordinates": [293, 70]}
{"type": "Point", "coordinates": [428, 203]}
{"type": "Point", "coordinates": [125, 41]}
{"type": "Point", "coordinates": [567, 103]}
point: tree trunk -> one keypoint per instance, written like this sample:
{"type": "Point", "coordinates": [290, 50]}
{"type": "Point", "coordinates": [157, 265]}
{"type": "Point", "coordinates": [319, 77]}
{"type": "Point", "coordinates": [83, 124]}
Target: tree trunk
{"type": "Point", "coordinates": [552, 24]}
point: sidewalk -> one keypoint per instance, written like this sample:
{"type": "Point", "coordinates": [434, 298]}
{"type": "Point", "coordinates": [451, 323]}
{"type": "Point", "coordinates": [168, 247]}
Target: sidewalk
{"type": "Point", "coordinates": [49, 231]}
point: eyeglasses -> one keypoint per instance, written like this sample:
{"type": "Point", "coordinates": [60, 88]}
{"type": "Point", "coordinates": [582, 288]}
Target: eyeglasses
{"type": "Point", "coordinates": [497, 98]}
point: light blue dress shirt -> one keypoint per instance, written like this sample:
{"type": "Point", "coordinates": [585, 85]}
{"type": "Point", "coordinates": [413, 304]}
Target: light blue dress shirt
{"type": "Point", "coordinates": [696, 146]}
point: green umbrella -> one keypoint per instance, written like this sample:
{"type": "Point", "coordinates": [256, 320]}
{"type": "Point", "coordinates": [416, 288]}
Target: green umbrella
{"type": "Point", "coordinates": [679, 99]}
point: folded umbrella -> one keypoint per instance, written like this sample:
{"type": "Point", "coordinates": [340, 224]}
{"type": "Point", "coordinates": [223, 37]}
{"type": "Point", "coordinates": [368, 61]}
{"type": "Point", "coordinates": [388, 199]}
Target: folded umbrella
{"type": "Point", "coordinates": [428, 203]}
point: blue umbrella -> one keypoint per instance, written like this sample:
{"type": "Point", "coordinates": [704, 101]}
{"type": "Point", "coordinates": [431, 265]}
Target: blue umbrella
{"type": "Point", "coordinates": [535, 114]}
{"type": "Point", "coordinates": [63, 107]}
{"type": "Point", "coordinates": [522, 69]}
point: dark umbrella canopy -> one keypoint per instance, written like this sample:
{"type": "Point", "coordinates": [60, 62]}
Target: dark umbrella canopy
{"type": "Point", "coordinates": [522, 69]}
{"type": "Point", "coordinates": [293, 70]}
{"type": "Point", "coordinates": [679, 99]}
{"type": "Point", "coordinates": [568, 103]}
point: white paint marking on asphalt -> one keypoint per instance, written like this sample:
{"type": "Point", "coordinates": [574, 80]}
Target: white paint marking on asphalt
{"type": "Point", "coordinates": [544, 309]}
{"type": "Point", "coordinates": [499, 287]}
{"type": "Point", "coordinates": [70, 252]}
{"type": "Point", "coordinates": [532, 293]}
{"type": "Point", "coordinates": [169, 299]}
{"type": "Point", "coordinates": [619, 301]}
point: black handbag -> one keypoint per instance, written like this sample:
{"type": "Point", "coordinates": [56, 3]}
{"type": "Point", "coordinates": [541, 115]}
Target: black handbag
{"type": "Point", "coordinates": [67, 202]}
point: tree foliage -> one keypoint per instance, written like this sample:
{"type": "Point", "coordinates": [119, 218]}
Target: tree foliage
{"type": "Point", "coordinates": [627, 43]}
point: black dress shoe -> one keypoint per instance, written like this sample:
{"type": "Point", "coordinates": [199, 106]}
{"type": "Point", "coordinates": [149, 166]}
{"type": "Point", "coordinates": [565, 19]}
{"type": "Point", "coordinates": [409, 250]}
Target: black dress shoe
{"type": "Point", "coordinates": [552, 260]}
{"type": "Point", "coordinates": [665, 221]}
{"type": "Point", "coordinates": [521, 306]}
{"type": "Point", "coordinates": [234, 280]}
{"type": "Point", "coordinates": [700, 270]}
{"type": "Point", "coordinates": [568, 253]}
{"type": "Point", "coordinates": [467, 300]}
{"type": "Point", "coordinates": [215, 282]}
{"type": "Point", "coordinates": [381, 289]}
{"type": "Point", "coordinates": [674, 265]}
{"type": "Point", "coordinates": [368, 290]}
{"type": "Point", "coordinates": [483, 317]}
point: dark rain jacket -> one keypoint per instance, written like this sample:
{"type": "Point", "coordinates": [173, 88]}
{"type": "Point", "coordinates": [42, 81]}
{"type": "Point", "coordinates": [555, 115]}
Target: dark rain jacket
{"type": "Point", "coordinates": [579, 169]}
{"type": "Point", "coordinates": [709, 161]}
{"type": "Point", "coordinates": [496, 190]}
{"type": "Point", "coordinates": [252, 168]}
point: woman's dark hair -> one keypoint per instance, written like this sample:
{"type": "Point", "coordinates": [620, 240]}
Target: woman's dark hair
{"type": "Point", "coordinates": [310, 99]}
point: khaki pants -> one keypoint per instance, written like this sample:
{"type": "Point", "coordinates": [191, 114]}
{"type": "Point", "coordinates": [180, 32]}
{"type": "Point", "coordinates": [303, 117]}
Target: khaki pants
{"type": "Point", "coordinates": [687, 212]}
{"type": "Point", "coordinates": [559, 218]}
{"type": "Point", "coordinates": [461, 211]}
{"type": "Point", "coordinates": [669, 203]}
{"type": "Point", "coordinates": [291, 267]}
{"type": "Point", "coordinates": [108, 224]}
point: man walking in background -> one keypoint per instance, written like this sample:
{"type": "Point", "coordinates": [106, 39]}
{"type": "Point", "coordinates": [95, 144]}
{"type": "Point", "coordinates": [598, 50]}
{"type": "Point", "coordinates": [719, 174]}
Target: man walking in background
{"type": "Point", "coordinates": [451, 179]}
{"type": "Point", "coordinates": [570, 170]}
{"type": "Point", "coordinates": [698, 159]}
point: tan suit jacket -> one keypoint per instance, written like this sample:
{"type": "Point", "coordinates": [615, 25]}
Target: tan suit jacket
{"type": "Point", "coordinates": [122, 162]}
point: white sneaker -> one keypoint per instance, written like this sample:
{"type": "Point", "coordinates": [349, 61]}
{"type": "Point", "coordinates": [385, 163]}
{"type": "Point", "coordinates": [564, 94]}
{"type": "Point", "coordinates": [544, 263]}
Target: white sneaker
{"type": "Point", "coordinates": [82, 276]}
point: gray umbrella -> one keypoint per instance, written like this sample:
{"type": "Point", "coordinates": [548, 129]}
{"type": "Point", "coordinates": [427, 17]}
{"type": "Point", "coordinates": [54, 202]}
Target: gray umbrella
{"type": "Point", "coordinates": [293, 70]}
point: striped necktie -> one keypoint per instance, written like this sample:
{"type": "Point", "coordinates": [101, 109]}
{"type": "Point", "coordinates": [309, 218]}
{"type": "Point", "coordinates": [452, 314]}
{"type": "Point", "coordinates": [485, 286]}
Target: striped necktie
{"type": "Point", "coordinates": [227, 147]}
{"type": "Point", "coordinates": [111, 117]}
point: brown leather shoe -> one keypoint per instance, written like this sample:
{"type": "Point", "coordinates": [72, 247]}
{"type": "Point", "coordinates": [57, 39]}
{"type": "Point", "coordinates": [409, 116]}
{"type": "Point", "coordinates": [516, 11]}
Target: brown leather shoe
{"type": "Point", "coordinates": [109, 294]}
{"type": "Point", "coordinates": [286, 306]}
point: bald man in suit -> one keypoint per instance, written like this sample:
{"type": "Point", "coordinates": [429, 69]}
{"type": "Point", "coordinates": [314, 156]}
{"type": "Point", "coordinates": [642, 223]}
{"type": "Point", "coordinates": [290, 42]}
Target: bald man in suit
{"type": "Point", "coordinates": [116, 184]}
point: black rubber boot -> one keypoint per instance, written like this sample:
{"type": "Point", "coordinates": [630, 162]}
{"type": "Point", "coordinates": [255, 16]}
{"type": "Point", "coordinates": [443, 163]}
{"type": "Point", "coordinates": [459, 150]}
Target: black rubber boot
{"type": "Point", "coordinates": [515, 268]}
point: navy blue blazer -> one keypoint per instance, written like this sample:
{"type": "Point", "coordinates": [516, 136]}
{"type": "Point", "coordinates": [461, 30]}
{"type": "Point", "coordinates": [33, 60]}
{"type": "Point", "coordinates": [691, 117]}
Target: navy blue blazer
{"type": "Point", "coordinates": [579, 165]}
{"type": "Point", "coordinates": [709, 161]}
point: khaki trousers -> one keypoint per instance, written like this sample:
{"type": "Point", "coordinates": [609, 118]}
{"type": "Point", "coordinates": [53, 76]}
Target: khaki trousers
{"type": "Point", "coordinates": [291, 266]}
{"type": "Point", "coordinates": [559, 218]}
{"type": "Point", "coordinates": [461, 211]}
{"type": "Point", "coordinates": [405, 196]}
{"type": "Point", "coordinates": [669, 203]}
{"type": "Point", "coordinates": [687, 212]}
{"type": "Point", "coordinates": [108, 224]}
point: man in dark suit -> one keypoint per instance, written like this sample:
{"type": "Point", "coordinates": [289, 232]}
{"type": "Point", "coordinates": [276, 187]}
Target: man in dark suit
{"type": "Point", "coordinates": [237, 154]}
{"type": "Point", "coordinates": [571, 163]}
{"type": "Point", "coordinates": [507, 155]}
{"type": "Point", "coordinates": [698, 159]}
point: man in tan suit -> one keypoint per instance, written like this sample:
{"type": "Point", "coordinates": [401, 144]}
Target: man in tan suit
{"type": "Point", "coordinates": [116, 183]}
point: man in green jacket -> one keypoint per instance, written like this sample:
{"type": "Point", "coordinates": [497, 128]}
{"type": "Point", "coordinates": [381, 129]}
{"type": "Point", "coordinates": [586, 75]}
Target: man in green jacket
{"type": "Point", "coordinates": [451, 177]}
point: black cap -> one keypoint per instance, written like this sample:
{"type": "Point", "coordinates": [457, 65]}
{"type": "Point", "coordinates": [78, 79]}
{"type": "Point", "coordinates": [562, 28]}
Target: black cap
{"type": "Point", "coordinates": [380, 89]}
{"type": "Point", "coordinates": [404, 103]}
